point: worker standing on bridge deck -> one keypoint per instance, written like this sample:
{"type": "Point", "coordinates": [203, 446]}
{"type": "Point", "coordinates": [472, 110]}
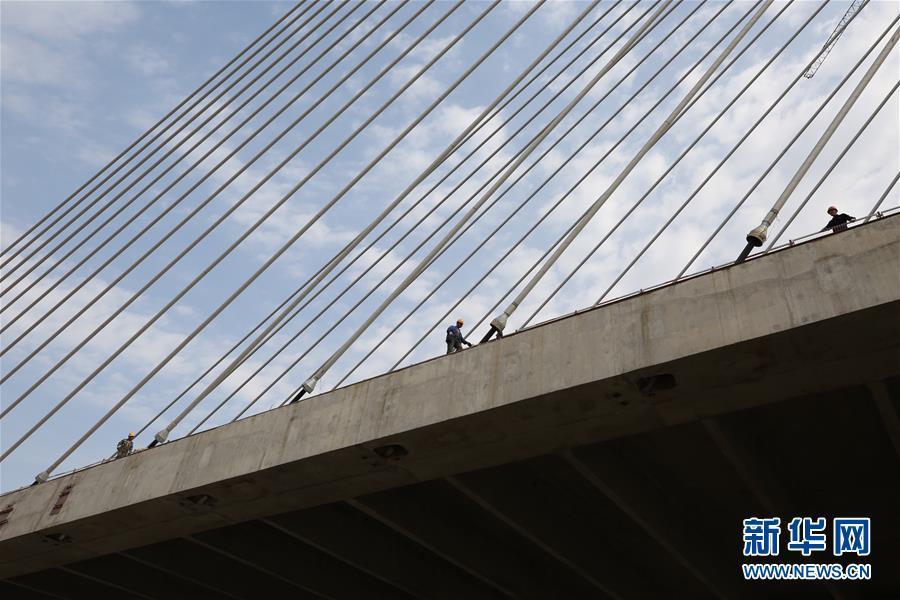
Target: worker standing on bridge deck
{"type": "Point", "coordinates": [125, 446]}
{"type": "Point", "coordinates": [455, 338]}
{"type": "Point", "coordinates": [838, 222]}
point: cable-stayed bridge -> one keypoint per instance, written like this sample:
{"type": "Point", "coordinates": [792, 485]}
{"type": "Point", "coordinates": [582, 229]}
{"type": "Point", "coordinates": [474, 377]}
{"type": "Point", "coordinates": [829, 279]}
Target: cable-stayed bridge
{"type": "Point", "coordinates": [562, 141]}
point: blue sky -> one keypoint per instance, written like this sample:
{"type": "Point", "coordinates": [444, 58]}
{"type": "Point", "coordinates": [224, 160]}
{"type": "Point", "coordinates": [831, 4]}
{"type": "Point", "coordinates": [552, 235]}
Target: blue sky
{"type": "Point", "coordinates": [80, 81]}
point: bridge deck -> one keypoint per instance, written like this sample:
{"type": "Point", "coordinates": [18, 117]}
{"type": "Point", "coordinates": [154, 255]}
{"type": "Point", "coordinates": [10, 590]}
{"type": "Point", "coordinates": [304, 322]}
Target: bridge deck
{"type": "Point", "coordinates": [611, 453]}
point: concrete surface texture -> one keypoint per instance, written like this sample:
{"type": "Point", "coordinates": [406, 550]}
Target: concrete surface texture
{"type": "Point", "coordinates": [806, 322]}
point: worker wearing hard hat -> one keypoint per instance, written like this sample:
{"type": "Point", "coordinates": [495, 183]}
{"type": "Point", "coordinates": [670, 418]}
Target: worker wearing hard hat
{"type": "Point", "coordinates": [125, 446]}
{"type": "Point", "coordinates": [455, 338]}
{"type": "Point", "coordinates": [838, 222]}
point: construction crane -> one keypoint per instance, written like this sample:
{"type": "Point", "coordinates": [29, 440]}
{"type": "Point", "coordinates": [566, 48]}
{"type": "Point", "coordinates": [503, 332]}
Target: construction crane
{"type": "Point", "coordinates": [833, 38]}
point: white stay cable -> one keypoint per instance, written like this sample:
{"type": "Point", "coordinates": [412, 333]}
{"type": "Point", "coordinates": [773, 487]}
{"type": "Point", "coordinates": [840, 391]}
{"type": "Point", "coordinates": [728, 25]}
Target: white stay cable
{"type": "Point", "coordinates": [253, 227]}
{"type": "Point", "coordinates": [296, 236]}
{"type": "Point", "coordinates": [234, 206]}
{"type": "Point", "coordinates": [163, 144]}
{"type": "Point", "coordinates": [434, 232]}
{"type": "Point", "coordinates": [757, 236]}
{"type": "Point", "coordinates": [560, 200]}
{"type": "Point", "coordinates": [786, 148]}
{"type": "Point", "coordinates": [395, 222]}
{"type": "Point", "coordinates": [887, 191]}
{"type": "Point", "coordinates": [310, 383]}
{"type": "Point", "coordinates": [7, 249]}
{"type": "Point", "coordinates": [834, 164]}
{"type": "Point", "coordinates": [685, 152]}
{"type": "Point", "coordinates": [499, 323]}
{"type": "Point", "coordinates": [839, 86]}
{"type": "Point", "coordinates": [163, 434]}
{"type": "Point", "coordinates": [115, 235]}
{"type": "Point", "coordinates": [718, 166]}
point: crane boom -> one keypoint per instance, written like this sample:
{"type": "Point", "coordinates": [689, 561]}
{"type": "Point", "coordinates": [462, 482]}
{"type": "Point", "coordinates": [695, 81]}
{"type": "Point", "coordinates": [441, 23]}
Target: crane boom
{"type": "Point", "coordinates": [833, 38]}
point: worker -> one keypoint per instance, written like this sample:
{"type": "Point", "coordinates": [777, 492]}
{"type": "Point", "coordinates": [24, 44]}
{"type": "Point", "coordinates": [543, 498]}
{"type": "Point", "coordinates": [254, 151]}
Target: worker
{"type": "Point", "coordinates": [455, 338]}
{"type": "Point", "coordinates": [838, 222]}
{"type": "Point", "coordinates": [125, 446]}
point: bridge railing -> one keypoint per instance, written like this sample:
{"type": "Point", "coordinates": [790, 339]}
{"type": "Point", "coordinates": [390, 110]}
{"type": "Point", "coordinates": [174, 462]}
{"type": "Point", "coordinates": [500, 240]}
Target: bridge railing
{"type": "Point", "coordinates": [789, 244]}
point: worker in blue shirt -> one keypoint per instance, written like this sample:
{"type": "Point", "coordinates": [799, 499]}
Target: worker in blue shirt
{"type": "Point", "coordinates": [455, 338]}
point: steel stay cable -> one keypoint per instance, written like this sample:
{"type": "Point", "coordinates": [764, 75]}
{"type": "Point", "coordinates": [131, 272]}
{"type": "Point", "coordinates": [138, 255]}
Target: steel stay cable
{"type": "Point", "coordinates": [453, 235]}
{"type": "Point", "coordinates": [676, 162]}
{"type": "Point", "coordinates": [691, 146]}
{"type": "Point", "coordinates": [564, 196]}
{"type": "Point", "coordinates": [460, 235]}
{"type": "Point", "coordinates": [499, 322]}
{"type": "Point", "coordinates": [787, 147]}
{"type": "Point", "coordinates": [146, 206]}
{"type": "Point", "coordinates": [260, 324]}
{"type": "Point", "coordinates": [528, 272]}
{"type": "Point", "coordinates": [511, 159]}
{"type": "Point", "coordinates": [310, 383]}
{"type": "Point", "coordinates": [694, 194]}
{"type": "Point", "coordinates": [43, 476]}
{"type": "Point", "coordinates": [552, 208]}
{"type": "Point", "coordinates": [505, 103]}
{"type": "Point", "coordinates": [411, 253]}
{"type": "Point", "coordinates": [394, 223]}
{"type": "Point", "coordinates": [230, 210]}
{"type": "Point", "coordinates": [178, 160]}
{"type": "Point", "coordinates": [163, 434]}
{"type": "Point", "coordinates": [717, 167]}
{"type": "Point", "coordinates": [160, 437]}
{"type": "Point", "coordinates": [346, 141]}
{"type": "Point", "coordinates": [147, 132]}
{"type": "Point", "coordinates": [883, 196]}
{"type": "Point", "coordinates": [284, 302]}
{"type": "Point", "coordinates": [831, 168]}
{"type": "Point", "coordinates": [171, 206]}
{"type": "Point", "coordinates": [454, 146]}
{"type": "Point", "coordinates": [560, 200]}
{"type": "Point", "coordinates": [496, 199]}
{"type": "Point", "coordinates": [144, 159]}
{"type": "Point", "coordinates": [252, 191]}
{"type": "Point", "coordinates": [757, 236]}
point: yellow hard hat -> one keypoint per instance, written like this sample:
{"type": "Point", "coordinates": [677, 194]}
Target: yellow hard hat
{"type": "Point", "coordinates": [131, 434]}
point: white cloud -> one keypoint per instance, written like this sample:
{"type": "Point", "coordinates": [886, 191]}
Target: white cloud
{"type": "Point", "coordinates": [45, 42]}
{"type": "Point", "coordinates": [855, 184]}
{"type": "Point", "coordinates": [147, 61]}
{"type": "Point", "coordinates": [56, 20]}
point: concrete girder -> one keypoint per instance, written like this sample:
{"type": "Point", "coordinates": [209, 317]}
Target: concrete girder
{"type": "Point", "coordinates": [64, 584]}
{"type": "Point", "coordinates": [187, 584]}
{"type": "Point", "coordinates": [400, 591]}
{"type": "Point", "coordinates": [887, 410]}
{"type": "Point", "coordinates": [301, 591]}
{"type": "Point", "coordinates": [648, 513]}
{"type": "Point", "coordinates": [761, 483]}
{"type": "Point", "coordinates": [294, 561]}
{"type": "Point", "coordinates": [793, 337]}
{"type": "Point", "coordinates": [362, 540]}
{"type": "Point", "coordinates": [463, 565]}
{"type": "Point", "coordinates": [137, 578]}
{"type": "Point", "coordinates": [13, 589]}
{"type": "Point", "coordinates": [214, 570]}
{"type": "Point", "coordinates": [447, 520]}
